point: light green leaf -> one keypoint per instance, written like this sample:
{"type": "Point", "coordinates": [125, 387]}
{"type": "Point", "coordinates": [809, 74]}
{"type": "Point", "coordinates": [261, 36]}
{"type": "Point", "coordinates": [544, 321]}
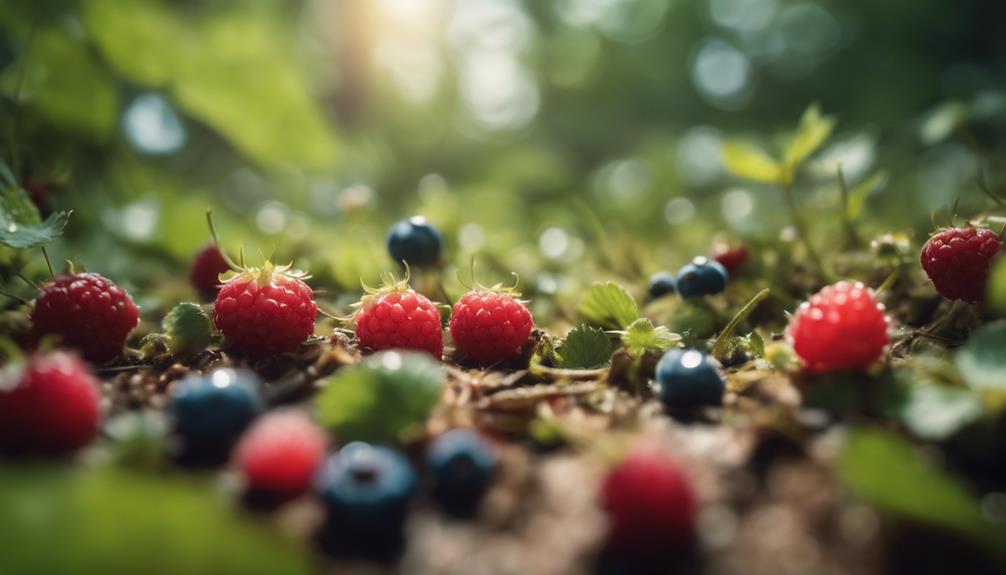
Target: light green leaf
{"type": "Point", "coordinates": [982, 363]}
{"type": "Point", "coordinates": [935, 412]}
{"type": "Point", "coordinates": [608, 305]}
{"type": "Point", "coordinates": [813, 130]}
{"type": "Point", "coordinates": [585, 348]}
{"type": "Point", "coordinates": [746, 161]}
{"type": "Point", "coordinates": [642, 336]}
{"type": "Point", "coordinates": [141, 39]}
{"type": "Point", "coordinates": [942, 121]}
{"type": "Point", "coordinates": [188, 329]}
{"type": "Point", "coordinates": [21, 226]}
{"type": "Point", "coordinates": [383, 398]}
{"type": "Point", "coordinates": [997, 286]}
{"type": "Point", "coordinates": [863, 190]}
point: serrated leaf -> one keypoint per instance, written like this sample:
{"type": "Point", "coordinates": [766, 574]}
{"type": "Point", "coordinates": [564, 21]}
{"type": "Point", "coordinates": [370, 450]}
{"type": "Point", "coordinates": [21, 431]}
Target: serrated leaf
{"type": "Point", "coordinates": [642, 337]}
{"type": "Point", "coordinates": [188, 329]}
{"type": "Point", "coordinates": [585, 348]}
{"type": "Point", "coordinates": [863, 190]}
{"type": "Point", "coordinates": [383, 398]}
{"type": "Point", "coordinates": [609, 305]}
{"type": "Point", "coordinates": [813, 130]}
{"type": "Point", "coordinates": [21, 227]}
{"type": "Point", "coordinates": [749, 162]}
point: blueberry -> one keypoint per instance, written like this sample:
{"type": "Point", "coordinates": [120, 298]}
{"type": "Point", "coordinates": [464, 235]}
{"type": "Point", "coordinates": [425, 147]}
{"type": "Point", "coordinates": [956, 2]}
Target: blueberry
{"type": "Point", "coordinates": [661, 284]}
{"type": "Point", "coordinates": [211, 411]}
{"type": "Point", "coordinates": [366, 490]}
{"type": "Point", "coordinates": [414, 241]}
{"type": "Point", "coordinates": [461, 463]}
{"type": "Point", "coordinates": [688, 378]}
{"type": "Point", "coordinates": [700, 277]}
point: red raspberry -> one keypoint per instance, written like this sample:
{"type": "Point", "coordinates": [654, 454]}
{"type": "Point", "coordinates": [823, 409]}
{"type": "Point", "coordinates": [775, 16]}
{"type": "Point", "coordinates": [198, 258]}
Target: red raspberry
{"type": "Point", "coordinates": [489, 326]}
{"type": "Point", "coordinates": [265, 311]}
{"type": "Point", "coordinates": [50, 407]}
{"type": "Point", "coordinates": [841, 328]}
{"type": "Point", "coordinates": [397, 317]}
{"type": "Point", "coordinates": [88, 311]}
{"type": "Point", "coordinates": [649, 502]}
{"type": "Point", "coordinates": [207, 266]}
{"type": "Point", "coordinates": [731, 256]}
{"type": "Point", "coordinates": [958, 260]}
{"type": "Point", "coordinates": [279, 454]}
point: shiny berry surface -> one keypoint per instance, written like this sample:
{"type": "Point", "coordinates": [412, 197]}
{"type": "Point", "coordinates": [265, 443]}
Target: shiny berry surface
{"type": "Point", "coordinates": [461, 463]}
{"type": "Point", "coordinates": [661, 284]}
{"type": "Point", "coordinates": [211, 411]}
{"type": "Point", "coordinates": [689, 378]}
{"type": "Point", "coordinates": [957, 260]}
{"type": "Point", "coordinates": [400, 319]}
{"type": "Point", "coordinates": [264, 316]}
{"type": "Point", "coordinates": [88, 312]}
{"type": "Point", "coordinates": [204, 275]}
{"type": "Point", "coordinates": [49, 406]}
{"type": "Point", "coordinates": [701, 277]}
{"type": "Point", "coordinates": [414, 241]}
{"type": "Point", "coordinates": [488, 326]}
{"type": "Point", "coordinates": [279, 454]}
{"type": "Point", "coordinates": [841, 328]}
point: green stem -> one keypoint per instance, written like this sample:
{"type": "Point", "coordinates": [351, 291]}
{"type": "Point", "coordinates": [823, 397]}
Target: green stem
{"type": "Point", "coordinates": [721, 340]}
{"type": "Point", "coordinates": [851, 237]}
{"type": "Point", "coordinates": [801, 229]}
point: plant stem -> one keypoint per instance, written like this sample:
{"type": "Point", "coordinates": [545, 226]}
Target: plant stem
{"type": "Point", "coordinates": [801, 229]}
{"type": "Point", "coordinates": [851, 237]}
{"type": "Point", "coordinates": [721, 340]}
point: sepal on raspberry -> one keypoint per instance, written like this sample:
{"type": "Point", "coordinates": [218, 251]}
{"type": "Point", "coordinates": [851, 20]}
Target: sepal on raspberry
{"type": "Point", "coordinates": [490, 324]}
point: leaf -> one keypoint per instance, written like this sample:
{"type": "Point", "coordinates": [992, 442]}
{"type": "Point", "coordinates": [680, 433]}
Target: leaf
{"type": "Point", "coordinates": [585, 348]}
{"type": "Point", "coordinates": [942, 121]}
{"type": "Point", "coordinates": [862, 191]}
{"type": "Point", "coordinates": [746, 161]}
{"type": "Point", "coordinates": [141, 39]}
{"type": "Point", "coordinates": [383, 398]}
{"type": "Point", "coordinates": [608, 305]}
{"type": "Point", "coordinates": [997, 286]}
{"type": "Point", "coordinates": [642, 336]}
{"type": "Point", "coordinates": [188, 329]}
{"type": "Point", "coordinates": [108, 521]}
{"type": "Point", "coordinates": [887, 472]}
{"type": "Point", "coordinates": [21, 226]}
{"type": "Point", "coordinates": [982, 363]}
{"type": "Point", "coordinates": [813, 130]}
{"type": "Point", "coordinates": [934, 411]}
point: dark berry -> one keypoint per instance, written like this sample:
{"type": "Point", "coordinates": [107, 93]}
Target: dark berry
{"type": "Point", "coordinates": [211, 411]}
{"type": "Point", "coordinates": [841, 328]}
{"type": "Point", "coordinates": [689, 378]}
{"type": "Point", "coordinates": [957, 260]}
{"type": "Point", "coordinates": [279, 455]}
{"type": "Point", "coordinates": [701, 277]}
{"type": "Point", "coordinates": [489, 326]}
{"type": "Point", "coordinates": [661, 284]}
{"type": "Point", "coordinates": [732, 257]}
{"type": "Point", "coordinates": [48, 406]}
{"type": "Point", "coordinates": [206, 269]}
{"type": "Point", "coordinates": [88, 312]}
{"type": "Point", "coordinates": [461, 463]}
{"type": "Point", "coordinates": [414, 241]}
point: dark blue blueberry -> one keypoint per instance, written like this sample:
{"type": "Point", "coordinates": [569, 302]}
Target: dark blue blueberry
{"type": "Point", "coordinates": [211, 411]}
{"type": "Point", "coordinates": [461, 463]}
{"type": "Point", "coordinates": [702, 276]}
{"type": "Point", "coordinates": [661, 284]}
{"type": "Point", "coordinates": [415, 241]}
{"type": "Point", "coordinates": [366, 490]}
{"type": "Point", "coordinates": [688, 378]}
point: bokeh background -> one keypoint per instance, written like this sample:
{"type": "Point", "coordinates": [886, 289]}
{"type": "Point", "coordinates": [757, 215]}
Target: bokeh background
{"type": "Point", "coordinates": [564, 140]}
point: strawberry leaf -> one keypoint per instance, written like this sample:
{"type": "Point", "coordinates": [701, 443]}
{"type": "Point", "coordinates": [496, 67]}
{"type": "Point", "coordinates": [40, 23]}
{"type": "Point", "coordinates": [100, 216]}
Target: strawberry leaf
{"type": "Point", "coordinates": [21, 226]}
{"type": "Point", "coordinates": [609, 306]}
{"type": "Point", "coordinates": [751, 163]}
{"type": "Point", "coordinates": [642, 336]}
{"type": "Point", "coordinates": [585, 347]}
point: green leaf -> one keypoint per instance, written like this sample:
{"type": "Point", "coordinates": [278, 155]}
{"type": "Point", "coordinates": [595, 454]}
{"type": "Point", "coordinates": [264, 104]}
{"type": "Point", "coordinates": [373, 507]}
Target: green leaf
{"type": "Point", "coordinates": [141, 39]}
{"type": "Point", "coordinates": [20, 224]}
{"type": "Point", "coordinates": [383, 398]}
{"type": "Point", "coordinates": [813, 130]}
{"type": "Point", "coordinates": [982, 363]}
{"type": "Point", "coordinates": [862, 191]}
{"type": "Point", "coordinates": [936, 412]}
{"type": "Point", "coordinates": [887, 472]}
{"type": "Point", "coordinates": [107, 521]}
{"type": "Point", "coordinates": [642, 336]}
{"type": "Point", "coordinates": [608, 305]}
{"type": "Point", "coordinates": [746, 161]}
{"type": "Point", "coordinates": [188, 329]}
{"type": "Point", "coordinates": [997, 286]}
{"type": "Point", "coordinates": [585, 348]}
{"type": "Point", "coordinates": [942, 121]}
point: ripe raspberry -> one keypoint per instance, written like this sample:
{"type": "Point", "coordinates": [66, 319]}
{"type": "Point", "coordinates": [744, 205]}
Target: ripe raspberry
{"type": "Point", "coordinates": [50, 407]}
{"type": "Point", "coordinates": [396, 317]}
{"type": "Point", "coordinates": [207, 266]}
{"type": "Point", "coordinates": [841, 328]}
{"type": "Point", "coordinates": [88, 311]}
{"type": "Point", "coordinates": [279, 454]}
{"type": "Point", "coordinates": [649, 502]}
{"type": "Point", "coordinates": [731, 256]}
{"type": "Point", "coordinates": [265, 311]}
{"type": "Point", "coordinates": [490, 326]}
{"type": "Point", "coordinates": [958, 260]}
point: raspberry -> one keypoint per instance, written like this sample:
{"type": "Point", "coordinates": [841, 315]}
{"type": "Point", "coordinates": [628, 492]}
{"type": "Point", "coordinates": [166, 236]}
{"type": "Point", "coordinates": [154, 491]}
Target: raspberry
{"type": "Point", "coordinates": [841, 328]}
{"type": "Point", "coordinates": [731, 256]}
{"type": "Point", "coordinates": [958, 260]}
{"type": "Point", "coordinates": [207, 266]}
{"type": "Point", "coordinates": [415, 242]}
{"type": "Point", "coordinates": [279, 454]}
{"type": "Point", "coordinates": [649, 502]}
{"type": "Point", "coordinates": [265, 311]}
{"type": "Point", "coordinates": [52, 406]}
{"type": "Point", "coordinates": [396, 317]}
{"type": "Point", "coordinates": [88, 311]}
{"type": "Point", "coordinates": [490, 326]}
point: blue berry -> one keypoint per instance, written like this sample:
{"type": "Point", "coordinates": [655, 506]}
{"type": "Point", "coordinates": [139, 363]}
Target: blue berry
{"type": "Point", "coordinates": [700, 277]}
{"type": "Point", "coordinates": [688, 378]}
{"type": "Point", "coordinates": [414, 241]}
{"type": "Point", "coordinates": [211, 411]}
{"type": "Point", "coordinates": [661, 284]}
{"type": "Point", "coordinates": [461, 463]}
{"type": "Point", "coordinates": [366, 490]}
